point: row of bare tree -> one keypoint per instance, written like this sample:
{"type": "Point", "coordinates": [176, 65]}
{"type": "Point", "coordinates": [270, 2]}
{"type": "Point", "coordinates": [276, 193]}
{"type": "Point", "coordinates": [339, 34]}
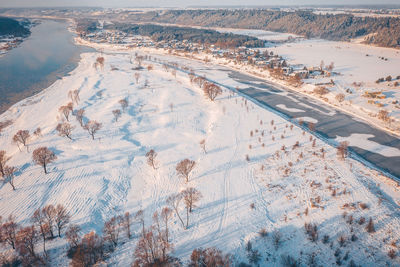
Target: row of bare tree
{"type": "Point", "coordinates": [211, 90]}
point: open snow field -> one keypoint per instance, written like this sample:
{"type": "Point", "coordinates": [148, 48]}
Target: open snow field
{"type": "Point", "coordinates": [252, 176]}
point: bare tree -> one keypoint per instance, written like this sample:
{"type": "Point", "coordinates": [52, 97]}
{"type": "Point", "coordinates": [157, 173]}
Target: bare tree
{"type": "Point", "coordinates": [65, 129]}
{"type": "Point", "coordinates": [61, 218]}
{"type": "Point", "coordinates": [9, 173]}
{"type": "Point", "coordinates": [137, 77]}
{"type": "Point", "coordinates": [127, 224]}
{"type": "Point", "coordinates": [117, 114]}
{"type": "Point", "coordinates": [139, 60]}
{"type": "Point", "coordinates": [211, 90]}
{"type": "Point", "coordinates": [39, 219]}
{"type": "Point", "coordinates": [49, 214]}
{"type": "Point", "coordinates": [99, 62]}
{"type": "Point", "coordinates": [184, 168]}
{"type": "Point", "coordinates": [93, 127]}
{"type": "Point", "coordinates": [123, 103]}
{"type": "Point", "coordinates": [112, 229]}
{"type": "Point", "coordinates": [166, 214]}
{"type": "Point", "coordinates": [43, 156]}
{"type": "Point", "coordinates": [342, 150]}
{"type": "Point", "coordinates": [27, 238]}
{"type": "Point", "coordinates": [340, 97]}
{"type": "Point", "coordinates": [9, 231]}
{"type": "Point", "coordinates": [79, 116]}
{"type": "Point", "coordinates": [21, 137]}
{"type": "Point", "coordinates": [383, 115]}
{"type": "Point", "coordinates": [72, 235]}
{"type": "Point", "coordinates": [3, 161]}
{"type": "Point", "coordinates": [203, 145]}
{"type": "Point", "coordinates": [151, 158]}
{"type": "Point", "coordinates": [190, 197]}
{"type": "Point", "coordinates": [66, 111]}
{"type": "Point", "coordinates": [174, 201]}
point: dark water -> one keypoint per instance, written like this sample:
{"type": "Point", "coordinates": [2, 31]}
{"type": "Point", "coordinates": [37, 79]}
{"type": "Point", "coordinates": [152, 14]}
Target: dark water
{"type": "Point", "coordinates": [48, 54]}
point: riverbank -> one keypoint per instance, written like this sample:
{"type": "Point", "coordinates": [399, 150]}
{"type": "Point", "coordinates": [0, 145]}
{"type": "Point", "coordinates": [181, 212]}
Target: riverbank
{"type": "Point", "coordinates": [48, 54]}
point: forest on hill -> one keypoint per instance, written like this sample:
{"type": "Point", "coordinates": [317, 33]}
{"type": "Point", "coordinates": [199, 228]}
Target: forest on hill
{"type": "Point", "coordinates": [382, 31]}
{"type": "Point", "coordinates": [13, 27]}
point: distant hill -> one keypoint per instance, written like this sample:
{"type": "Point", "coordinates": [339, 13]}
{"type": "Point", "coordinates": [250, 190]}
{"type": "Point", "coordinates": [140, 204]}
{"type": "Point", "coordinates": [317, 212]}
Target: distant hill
{"type": "Point", "coordinates": [10, 26]}
{"type": "Point", "coordinates": [383, 31]}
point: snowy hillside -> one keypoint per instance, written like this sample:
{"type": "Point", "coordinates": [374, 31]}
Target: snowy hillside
{"type": "Point", "coordinates": [261, 178]}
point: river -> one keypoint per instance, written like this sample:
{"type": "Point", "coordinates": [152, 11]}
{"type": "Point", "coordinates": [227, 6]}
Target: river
{"type": "Point", "coordinates": [45, 56]}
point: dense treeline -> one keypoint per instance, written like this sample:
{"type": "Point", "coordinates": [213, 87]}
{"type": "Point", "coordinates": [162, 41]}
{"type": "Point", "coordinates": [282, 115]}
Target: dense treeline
{"type": "Point", "coordinates": [386, 30]}
{"type": "Point", "coordinates": [12, 27]}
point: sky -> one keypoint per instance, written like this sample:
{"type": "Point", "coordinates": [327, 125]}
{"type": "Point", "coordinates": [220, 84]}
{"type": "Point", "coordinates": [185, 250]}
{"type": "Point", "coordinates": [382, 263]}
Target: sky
{"type": "Point", "coordinates": [184, 3]}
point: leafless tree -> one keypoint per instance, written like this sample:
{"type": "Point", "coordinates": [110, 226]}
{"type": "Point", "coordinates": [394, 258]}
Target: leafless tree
{"type": "Point", "coordinates": [112, 229]}
{"type": "Point", "coordinates": [9, 231]}
{"type": "Point", "coordinates": [151, 158]}
{"type": "Point", "coordinates": [137, 77]}
{"type": "Point", "coordinates": [166, 214]}
{"type": "Point", "coordinates": [27, 238]}
{"type": "Point", "coordinates": [211, 90]}
{"type": "Point", "coordinates": [99, 62]}
{"type": "Point", "coordinates": [311, 126]}
{"type": "Point", "coordinates": [61, 218]}
{"type": "Point", "coordinates": [9, 173]}
{"type": "Point", "coordinates": [49, 214]}
{"type": "Point", "coordinates": [39, 220]}
{"type": "Point", "coordinates": [383, 115]}
{"type": "Point", "coordinates": [93, 127]}
{"type": "Point", "coordinates": [190, 197]}
{"type": "Point", "coordinates": [79, 116]}
{"type": "Point", "coordinates": [72, 235]}
{"type": "Point", "coordinates": [150, 67]}
{"type": "Point", "coordinates": [139, 216]}
{"type": "Point", "coordinates": [43, 156]}
{"type": "Point", "coordinates": [139, 60]}
{"type": "Point", "coordinates": [174, 201]}
{"type": "Point", "coordinates": [184, 168]}
{"type": "Point", "coordinates": [203, 145]}
{"type": "Point", "coordinates": [89, 251]}
{"type": "Point", "coordinates": [342, 150]}
{"type": "Point", "coordinates": [66, 111]}
{"type": "Point", "coordinates": [127, 224]}
{"type": "Point", "coordinates": [22, 137]}
{"type": "Point", "coordinates": [117, 114]}
{"type": "Point", "coordinates": [3, 162]}
{"type": "Point", "coordinates": [65, 129]}
{"type": "Point", "coordinates": [124, 104]}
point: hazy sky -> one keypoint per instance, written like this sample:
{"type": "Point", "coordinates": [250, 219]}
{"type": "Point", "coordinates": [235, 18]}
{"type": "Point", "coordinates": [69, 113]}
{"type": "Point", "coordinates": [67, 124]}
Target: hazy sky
{"type": "Point", "coordinates": [182, 3]}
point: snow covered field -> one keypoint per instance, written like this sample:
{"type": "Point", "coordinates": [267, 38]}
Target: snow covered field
{"type": "Point", "coordinates": [360, 66]}
{"type": "Point", "coordinates": [253, 176]}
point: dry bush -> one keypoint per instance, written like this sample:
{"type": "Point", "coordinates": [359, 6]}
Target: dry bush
{"type": "Point", "coordinates": [43, 156]}
{"type": "Point", "coordinates": [209, 257]}
{"type": "Point", "coordinates": [340, 97]}
{"type": "Point", "coordinates": [65, 130]}
{"type": "Point", "coordinates": [383, 115]}
{"type": "Point", "coordinates": [38, 132]}
{"type": "Point", "coordinates": [151, 158]}
{"type": "Point", "coordinates": [342, 150]}
{"type": "Point", "coordinates": [320, 90]}
{"type": "Point", "coordinates": [185, 167]}
{"type": "Point", "coordinates": [370, 226]}
{"type": "Point", "coordinates": [311, 231]}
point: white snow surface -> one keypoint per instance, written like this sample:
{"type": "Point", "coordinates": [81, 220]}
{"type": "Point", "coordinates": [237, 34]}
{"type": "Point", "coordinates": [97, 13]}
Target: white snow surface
{"type": "Point", "coordinates": [97, 179]}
